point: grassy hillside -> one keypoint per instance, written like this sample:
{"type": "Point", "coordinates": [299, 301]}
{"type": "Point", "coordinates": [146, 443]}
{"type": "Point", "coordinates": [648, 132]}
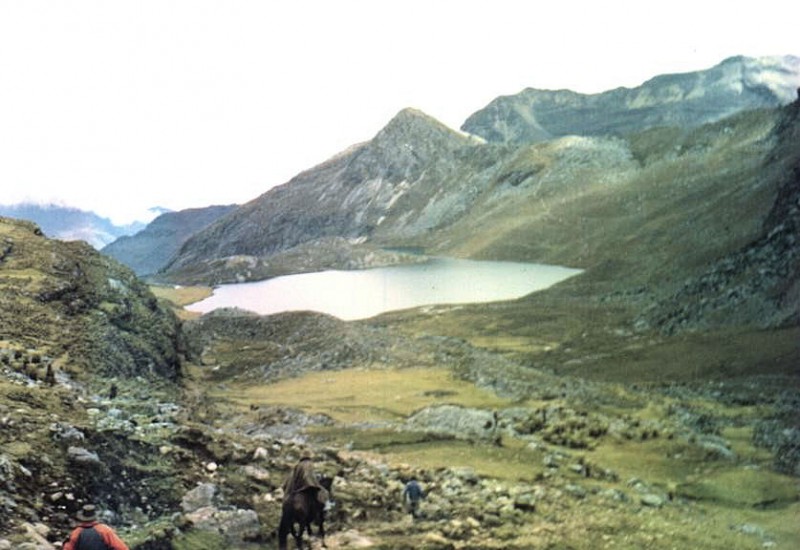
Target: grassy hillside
{"type": "Point", "coordinates": [78, 311]}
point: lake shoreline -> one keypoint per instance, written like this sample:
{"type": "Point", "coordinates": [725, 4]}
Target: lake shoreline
{"type": "Point", "coordinates": [360, 294]}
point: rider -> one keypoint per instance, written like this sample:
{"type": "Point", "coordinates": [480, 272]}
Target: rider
{"type": "Point", "coordinates": [303, 477]}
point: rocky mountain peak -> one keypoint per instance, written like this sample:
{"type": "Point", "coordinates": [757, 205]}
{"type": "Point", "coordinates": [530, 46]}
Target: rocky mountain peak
{"type": "Point", "coordinates": [408, 143]}
{"type": "Point", "coordinates": [779, 75]}
{"type": "Point", "coordinates": [768, 80]}
{"type": "Point", "coordinates": [412, 124]}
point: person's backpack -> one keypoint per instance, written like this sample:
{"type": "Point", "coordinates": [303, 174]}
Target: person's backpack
{"type": "Point", "coordinates": [90, 539]}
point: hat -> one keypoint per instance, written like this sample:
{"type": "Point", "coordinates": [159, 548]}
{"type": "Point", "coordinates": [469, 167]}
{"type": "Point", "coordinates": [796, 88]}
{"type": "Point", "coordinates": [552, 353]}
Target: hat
{"type": "Point", "coordinates": [87, 513]}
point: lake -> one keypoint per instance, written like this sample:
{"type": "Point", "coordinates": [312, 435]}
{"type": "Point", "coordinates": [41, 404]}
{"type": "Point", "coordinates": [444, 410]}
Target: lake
{"type": "Point", "coordinates": [351, 295]}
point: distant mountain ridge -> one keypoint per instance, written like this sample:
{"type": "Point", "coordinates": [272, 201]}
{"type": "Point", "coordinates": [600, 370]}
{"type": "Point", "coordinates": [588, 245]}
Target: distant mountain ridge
{"type": "Point", "coordinates": [70, 224]}
{"type": "Point", "coordinates": [150, 249]}
{"type": "Point", "coordinates": [685, 100]}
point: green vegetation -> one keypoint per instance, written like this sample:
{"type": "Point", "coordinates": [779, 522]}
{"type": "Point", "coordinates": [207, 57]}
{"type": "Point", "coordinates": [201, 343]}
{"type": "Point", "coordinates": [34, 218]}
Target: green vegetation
{"type": "Point", "coordinates": [180, 296]}
{"type": "Point", "coordinates": [362, 395]}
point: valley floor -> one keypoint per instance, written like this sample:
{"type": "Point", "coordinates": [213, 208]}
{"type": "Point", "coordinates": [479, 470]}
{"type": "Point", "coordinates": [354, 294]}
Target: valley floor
{"type": "Point", "coordinates": [530, 424]}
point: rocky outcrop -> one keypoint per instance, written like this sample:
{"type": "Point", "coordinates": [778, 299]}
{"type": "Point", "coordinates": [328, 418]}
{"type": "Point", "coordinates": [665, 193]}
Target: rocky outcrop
{"type": "Point", "coordinates": [682, 100]}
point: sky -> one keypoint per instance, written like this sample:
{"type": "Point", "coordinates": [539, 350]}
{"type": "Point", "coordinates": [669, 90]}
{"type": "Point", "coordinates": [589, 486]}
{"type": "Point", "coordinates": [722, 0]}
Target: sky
{"type": "Point", "coordinates": [120, 106]}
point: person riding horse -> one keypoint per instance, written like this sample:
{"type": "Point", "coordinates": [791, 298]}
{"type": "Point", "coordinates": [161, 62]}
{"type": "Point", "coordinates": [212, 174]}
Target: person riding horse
{"type": "Point", "coordinates": [305, 498]}
{"type": "Point", "coordinates": [303, 478]}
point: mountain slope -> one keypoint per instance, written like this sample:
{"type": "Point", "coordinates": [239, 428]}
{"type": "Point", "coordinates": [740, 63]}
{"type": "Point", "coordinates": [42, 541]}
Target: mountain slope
{"type": "Point", "coordinates": [150, 249]}
{"type": "Point", "coordinates": [684, 100]}
{"type": "Point", "coordinates": [67, 305]}
{"type": "Point", "coordinates": [761, 280]}
{"type": "Point", "coordinates": [389, 185]}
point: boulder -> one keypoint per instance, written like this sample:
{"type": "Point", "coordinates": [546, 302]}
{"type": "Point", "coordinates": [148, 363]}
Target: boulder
{"type": "Point", "coordinates": [83, 456]}
{"type": "Point", "coordinates": [235, 525]}
{"type": "Point", "coordinates": [201, 496]}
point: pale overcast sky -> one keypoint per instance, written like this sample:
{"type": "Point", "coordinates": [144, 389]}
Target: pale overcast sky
{"type": "Point", "coordinates": [118, 106]}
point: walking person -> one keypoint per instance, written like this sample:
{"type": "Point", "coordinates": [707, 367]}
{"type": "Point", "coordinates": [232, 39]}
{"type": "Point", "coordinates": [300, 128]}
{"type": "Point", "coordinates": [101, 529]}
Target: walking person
{"type": "Point", "coordinates": [412, 495]}
{"type": "Point", "coordinates": [90, 534]}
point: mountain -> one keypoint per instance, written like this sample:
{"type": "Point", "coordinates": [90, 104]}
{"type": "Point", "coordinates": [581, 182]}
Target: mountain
{"type": "Point", "coordinates": [684, 100]}
{"type": "Point", "coordinates": [70, 224]}
{"type": "Point", "coordinates": [390, 185]}
{"type": "Point", "coordinates": [150, 249]}
{"type": "Point", "coordinates": [621, 207]}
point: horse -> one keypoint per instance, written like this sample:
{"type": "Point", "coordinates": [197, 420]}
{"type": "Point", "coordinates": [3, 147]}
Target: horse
{"type": "Point", "coordinates": [303, 508]}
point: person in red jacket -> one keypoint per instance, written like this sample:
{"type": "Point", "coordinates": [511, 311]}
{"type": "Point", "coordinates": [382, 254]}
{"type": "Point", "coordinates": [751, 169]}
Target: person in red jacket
{"type": "Point", "coordinates": [92, 535]}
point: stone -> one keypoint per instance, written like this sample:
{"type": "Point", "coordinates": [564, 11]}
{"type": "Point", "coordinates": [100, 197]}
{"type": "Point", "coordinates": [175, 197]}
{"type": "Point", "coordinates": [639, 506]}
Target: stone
{"type": "Point", "coordinates": [576, 491]}
{"type": "Point", "coordinates": [6, 469]}
{"type": "Point", "coordinates": [66, 434]}
{"type": "Point", "coordinates": [35, 540]}
{"type": "Point", "coordinates": [254, 472]}
{"type": "Point", "coordinates": [235, 525]}
{"type": "Point", "coordinates": [82, 456]}
{"type": "Point", "coordinates": [201, 496]}
{"type": "Point", "coordinates": [652, 500]}
{"type": "Point", "coordinates": [550, 461]}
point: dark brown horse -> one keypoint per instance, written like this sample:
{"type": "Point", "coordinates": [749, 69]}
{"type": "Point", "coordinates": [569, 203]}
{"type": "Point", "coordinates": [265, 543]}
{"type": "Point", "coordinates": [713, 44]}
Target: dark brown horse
{"type": "Point", "coordinates": [302, 508]}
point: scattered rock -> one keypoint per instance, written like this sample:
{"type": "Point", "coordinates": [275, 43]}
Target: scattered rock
{"type": "Point", "coordinates": [652, 500]}
{"type": "Point", "coordinates": [201, 496]}
{"type": "Point", "coordinates": [235, 525]}
{"type": "Point", "coordinates": [256, 473]}
{"type": "Point", "coordinates": [83, 456]}
{"type": "Point", "coordinates": [66, 434]}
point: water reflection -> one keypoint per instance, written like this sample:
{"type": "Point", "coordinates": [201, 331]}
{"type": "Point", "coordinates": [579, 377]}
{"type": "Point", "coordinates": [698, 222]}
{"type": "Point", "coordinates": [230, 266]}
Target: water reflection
{"type": "Point", "coordinates": [361, 294]}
